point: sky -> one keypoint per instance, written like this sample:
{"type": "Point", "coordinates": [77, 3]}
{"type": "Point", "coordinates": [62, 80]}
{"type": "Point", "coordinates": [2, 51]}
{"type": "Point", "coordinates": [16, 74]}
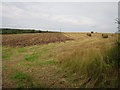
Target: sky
{"type": "Point", "coordinates": [64, 16]}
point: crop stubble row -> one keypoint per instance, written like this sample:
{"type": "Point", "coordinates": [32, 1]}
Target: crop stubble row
{"type": "Point", "coordinates": [23, 40]}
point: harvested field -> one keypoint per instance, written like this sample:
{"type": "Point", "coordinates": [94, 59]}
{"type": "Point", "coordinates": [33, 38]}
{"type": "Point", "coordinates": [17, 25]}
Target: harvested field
{"type": "Point", "coordinates": [32, 39]}
{"type": "Point", "coordinates": [78, 63]}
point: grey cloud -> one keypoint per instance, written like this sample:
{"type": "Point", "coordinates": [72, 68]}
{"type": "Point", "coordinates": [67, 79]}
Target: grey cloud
{"type": "Point", "coordinates": [71, 17]}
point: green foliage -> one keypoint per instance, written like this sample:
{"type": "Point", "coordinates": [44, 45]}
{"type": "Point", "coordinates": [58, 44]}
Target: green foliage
{"type": "Point", "coordinates": [20, 31]}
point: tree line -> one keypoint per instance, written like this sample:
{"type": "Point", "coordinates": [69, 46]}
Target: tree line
{"type": "Point", "coordinates": [21, 31]}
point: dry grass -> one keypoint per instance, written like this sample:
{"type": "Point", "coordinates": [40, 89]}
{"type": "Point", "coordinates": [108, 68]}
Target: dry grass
{"type": "Point", "coordinates": [87, 58]}
{"type": "Point", "coordinates": [81, 62]}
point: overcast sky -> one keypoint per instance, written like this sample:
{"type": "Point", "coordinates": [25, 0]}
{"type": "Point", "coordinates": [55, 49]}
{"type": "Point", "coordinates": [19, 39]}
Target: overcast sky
{"type": "Point", "coordinates": [69, 16]}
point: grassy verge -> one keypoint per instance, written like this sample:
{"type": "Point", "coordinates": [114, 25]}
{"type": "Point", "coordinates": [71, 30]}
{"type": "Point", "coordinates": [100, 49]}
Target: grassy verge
{"type": "Point", "coordinates": [109, 77]}
{"type": "Point", "coordinates": [97, 67]}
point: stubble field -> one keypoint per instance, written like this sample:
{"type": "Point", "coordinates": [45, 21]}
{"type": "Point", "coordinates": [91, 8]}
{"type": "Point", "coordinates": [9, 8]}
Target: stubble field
{"type": "Point", "coordinates": [58, 60]}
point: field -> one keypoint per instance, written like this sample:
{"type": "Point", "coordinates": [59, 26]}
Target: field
{"type": "Point", "coordinates": [59, 60]}
{"type": "Point", "coordinates": [33, 39]}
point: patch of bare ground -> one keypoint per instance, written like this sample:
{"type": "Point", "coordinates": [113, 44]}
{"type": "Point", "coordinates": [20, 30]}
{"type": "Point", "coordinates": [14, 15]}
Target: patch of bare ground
{"type": "Point", "coordinates": [23, 40]}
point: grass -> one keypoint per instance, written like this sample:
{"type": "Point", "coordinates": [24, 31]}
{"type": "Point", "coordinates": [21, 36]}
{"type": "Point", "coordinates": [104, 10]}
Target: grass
{"type": "Point", "coordinates": [35, 55]}
{"type": "Point", "coordinates": [85, 62]}
{"type": "Point", "coordinates": [112, 56]}
{"type": "Point", "coordinates": [6, 56]}
{"type": "Point", "coordinates": [93, 63]}
{"type": "Point", "coordinates": [22, 80]}
{"type": "Point", "coordinates": [19, 76]}
{"type": "Point", "coordinates": [42, 63]}
{"type": "Point", "coordinates": [31, 57]}
{"type": "Point", "coordinates": [6, 53]}
{"type": "Point", "coordinates": [111, 69]}
{"type": "Point", "coordinates": [21, 50]}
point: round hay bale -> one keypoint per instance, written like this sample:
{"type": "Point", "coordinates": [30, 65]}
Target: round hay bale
{"type": "Point", "coordinates": [88, 34]}
{"type": "Point", "coordinates": [92, 32]}
{"type": "Point", "coordinates": [104, 35]}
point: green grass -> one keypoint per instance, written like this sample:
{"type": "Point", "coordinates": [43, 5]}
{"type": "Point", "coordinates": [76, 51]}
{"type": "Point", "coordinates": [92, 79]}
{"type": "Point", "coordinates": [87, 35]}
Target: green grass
{"type": "Point", "coordinates": [22, 80]}
{"type": "Point", "coordinates": [35, 55]}
{"type": "Point", "coordinates": [7, 53]}
{"type": "Point", "coordinates": [21, 50]}
{"type": "Point", "coordinates": [6, 56]}
{"type": "Point", "coordinates": [31, 57]}
{"type": "Point", "coordinates": [19, 76]}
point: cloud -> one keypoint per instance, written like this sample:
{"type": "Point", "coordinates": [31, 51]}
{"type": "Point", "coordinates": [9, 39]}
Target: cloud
{"type": "Point", "coordinates": [70, 20]}
{"type": "Point", "coordinates": [70, 16]}
{"type": "Point", "coordinates": [11, 11]}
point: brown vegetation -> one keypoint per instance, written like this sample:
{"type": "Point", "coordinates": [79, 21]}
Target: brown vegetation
{"type": "Point", "coordinates": [33, 39]}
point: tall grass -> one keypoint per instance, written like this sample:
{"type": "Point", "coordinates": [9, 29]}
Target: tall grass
{"type": "Point", "coordinates": [93, 63]}
{"type": "Point", "coordinates": [109, 77]}
{"type": "Point", "coordinates": [83, 61]}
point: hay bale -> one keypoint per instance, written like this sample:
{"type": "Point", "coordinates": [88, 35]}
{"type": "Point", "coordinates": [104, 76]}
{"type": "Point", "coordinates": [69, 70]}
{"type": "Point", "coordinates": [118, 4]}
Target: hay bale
{"type": "Point", "coordinates": [92, 32]}
{"type": "Point", "coordinates": [104, 35]}
{"type": "Point", "coordinates": [88, 34]}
